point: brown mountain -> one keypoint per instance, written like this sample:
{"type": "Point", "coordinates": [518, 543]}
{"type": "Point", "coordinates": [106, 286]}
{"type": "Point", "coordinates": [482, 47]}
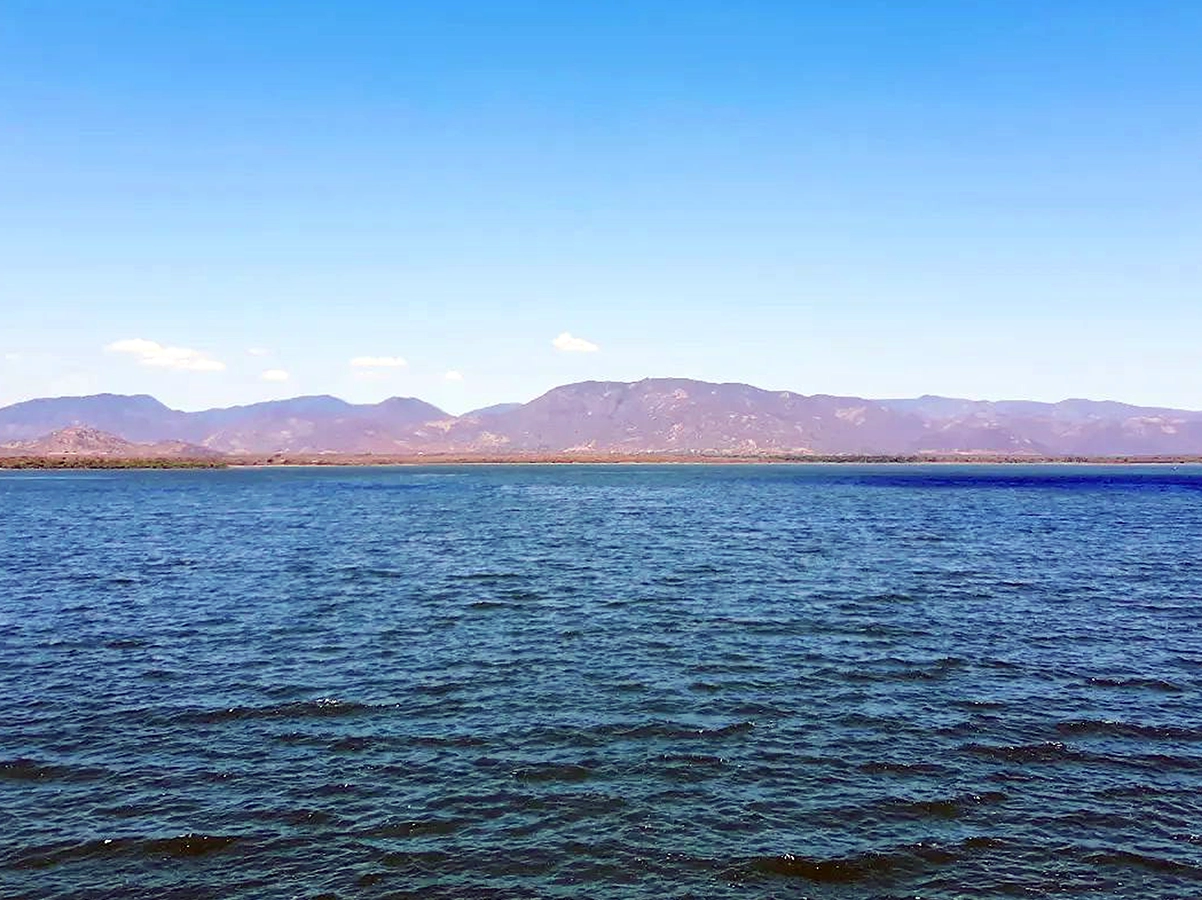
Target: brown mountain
{"type": "Point", "coordinates": [1068, 428]}
{"type": "Point", "coordinates": [676, 414]}
{"type": "Point", "coordinates": [301, 424]}
{"type": "Point", "coordinates": [81, 440]}
{"type": "Point", "coordinates": [136, 418]}
{"type": "Point", "coordinates": [312, 425]}
{"type": "Point", "coordinates": [672, 415]}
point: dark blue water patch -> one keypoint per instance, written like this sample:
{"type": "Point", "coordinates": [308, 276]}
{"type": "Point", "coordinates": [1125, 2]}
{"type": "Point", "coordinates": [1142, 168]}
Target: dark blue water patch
{"type": "Point", "coordinates": [1064, 481]}
{"type": "Point", "coordinates": [177, 847]}
{"type": "Point", "coordinates": [1115, 728]}
{"type": "Point", "coordinates": [605, 681]}
{"type": "Point", "coordinates": [32, 770]}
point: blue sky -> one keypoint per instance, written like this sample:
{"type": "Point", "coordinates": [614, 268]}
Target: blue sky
{"type": "Point", "coordinates": [985, 199]}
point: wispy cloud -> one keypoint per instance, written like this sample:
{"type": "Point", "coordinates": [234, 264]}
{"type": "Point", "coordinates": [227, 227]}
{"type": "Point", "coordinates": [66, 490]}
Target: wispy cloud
{"type": "Point", "coordinates": [453, 375]}
{"type": "Point", "coordinates": [569, 343]}
{"type": "Point", "coordinates": [379, 362]}
{"type": "Point", "coordinates": [258, 351]}
{"type": "Point", "coordinates": [152, 353]}
{"type": "Point", "coordinates": [274, 375]}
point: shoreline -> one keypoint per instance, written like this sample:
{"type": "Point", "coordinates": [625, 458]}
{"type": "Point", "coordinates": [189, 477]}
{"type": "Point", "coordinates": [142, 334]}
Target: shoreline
{"type": "Point", "coordinates": [279, 461]}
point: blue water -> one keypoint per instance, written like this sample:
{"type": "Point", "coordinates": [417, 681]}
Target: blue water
{"type": "Point", "coordinates": [609, 682]}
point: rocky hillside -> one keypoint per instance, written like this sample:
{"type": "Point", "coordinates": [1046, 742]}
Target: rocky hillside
{"type": "Point", "coordinates": [81, 440]}
{"type": "Point", "coordinates": [653, 415]}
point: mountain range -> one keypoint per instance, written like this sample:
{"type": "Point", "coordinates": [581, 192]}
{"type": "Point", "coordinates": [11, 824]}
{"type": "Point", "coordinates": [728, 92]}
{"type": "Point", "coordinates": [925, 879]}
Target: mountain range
{"type": "Point", "coordinates": [655, 415]}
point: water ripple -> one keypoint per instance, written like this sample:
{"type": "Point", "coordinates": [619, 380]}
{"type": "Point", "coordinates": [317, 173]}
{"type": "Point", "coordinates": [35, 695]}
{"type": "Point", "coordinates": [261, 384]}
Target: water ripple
{"type": "Point", "coordinates": [614, 681]}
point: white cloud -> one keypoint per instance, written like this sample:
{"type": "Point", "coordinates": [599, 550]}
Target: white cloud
{"type": "Point", "coordinates": [258, 351]}
{"type": "Point", "coordinates": [274, 375]}
{"type": "Point", "coordinates": [378, 362]}
{"type": "Point", "coordinates": [568, 343]}
{"type": "Point", "coordinates": [454, 375]}
{"type": "Point", "coordinates": [12, 357]}
{"type": "Point", "coordinates": [152, 353]}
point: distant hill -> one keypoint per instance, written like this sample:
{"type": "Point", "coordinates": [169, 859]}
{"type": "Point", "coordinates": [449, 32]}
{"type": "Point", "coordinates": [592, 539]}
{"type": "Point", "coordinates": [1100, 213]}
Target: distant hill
{"type": "Point", "coordinates": [301, 424]}
{"type": "Point", "coordinates": [677, 414]}
{"type": "Point", "coordinates": [310, 424]}
{"type": "Point", "coordinates": [81, 440]}
{"type": "Point", "coordinates": [136, 418]}
{"type": "Point", "coordinates": [673, 415]}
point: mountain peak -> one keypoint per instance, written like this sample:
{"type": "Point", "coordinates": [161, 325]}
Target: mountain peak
{"type": "Point", "coordinates": [82, 439]}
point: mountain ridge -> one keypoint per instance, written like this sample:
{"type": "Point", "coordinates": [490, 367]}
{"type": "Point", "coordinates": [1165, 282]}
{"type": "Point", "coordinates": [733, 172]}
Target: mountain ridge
{"type": "Point", "coordinates": [652, 415]}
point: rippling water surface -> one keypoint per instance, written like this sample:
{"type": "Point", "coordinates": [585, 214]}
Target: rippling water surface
{"type": "Point", "coordinates": [610, 682]}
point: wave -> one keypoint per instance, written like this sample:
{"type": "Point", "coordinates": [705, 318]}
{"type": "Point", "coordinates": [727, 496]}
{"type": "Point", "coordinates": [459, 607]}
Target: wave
{"type": "Point", "coordinates": [675, 730]}
{"type": "Point", "coordinates": [411, 828]}
{"type": "Point", "coordinates": [979, 704]}
{"type": "Point", "coordinates": [179, 847]}
{"type": "Point", "coordinates": [1162, 762]}
{"type": "Point", "coordinates": [126, 644]}
{"type": "Point", "coordinates": [912, 859]}
{"type": "Point", "coordinates": [1046, 751]}
{"type": "Point", "coordinates": [1151, 684]}
{"type": "Point", "coordinates": [884, 767]}
{"type": "Point", "coordinates": [295, 817]}
{"type": "Point", "coordinates": [324, 707]}
{"type": "Point", "coordinates": [873, 866]}
{"type": "Point", "coordinates": [491, 576]}
{"type": "Point", "coordinates": [843, 870]}
{"type": "Point", "coordinates": [25, 769]}
{"type": "Point", "coordinates": [554, 772]}
{"type": "Point", "coordinates": [693, 759]}
{"type": "Point", "coordinates": [1129, 858]}
{"type": "Point", "coordinates": [448, 740]}
{"type": "Point", "coordinates": [1056, 751]}
{"type": "Point", "coordinates": [366, 573]}
{"type": "Point", "coordinates": [902, 669]}
{"type": "Point", "coordinates": [1117, 728]}
{"type": "Point", "coordinates": [940, 807]}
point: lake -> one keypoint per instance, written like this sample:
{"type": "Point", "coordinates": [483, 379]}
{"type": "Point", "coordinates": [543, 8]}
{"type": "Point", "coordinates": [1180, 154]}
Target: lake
{"type": "Point", "coordinates": [722, 681]}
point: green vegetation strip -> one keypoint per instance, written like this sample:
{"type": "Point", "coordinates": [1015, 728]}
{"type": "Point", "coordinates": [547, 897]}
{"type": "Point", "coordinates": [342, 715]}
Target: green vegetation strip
{"type": "Point", "coordinates": [100, 462]}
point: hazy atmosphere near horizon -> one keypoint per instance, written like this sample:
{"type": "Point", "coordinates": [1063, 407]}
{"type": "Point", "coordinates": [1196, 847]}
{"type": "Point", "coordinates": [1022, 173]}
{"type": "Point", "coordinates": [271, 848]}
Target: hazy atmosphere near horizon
{"type": "Point", "coordinates": [220, 203]}
{"type": "Point", "coordinates": [667, 449]}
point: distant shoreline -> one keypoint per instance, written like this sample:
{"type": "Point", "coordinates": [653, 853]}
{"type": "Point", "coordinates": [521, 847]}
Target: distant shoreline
{"type": "Point", "coordinates": [348, 460]}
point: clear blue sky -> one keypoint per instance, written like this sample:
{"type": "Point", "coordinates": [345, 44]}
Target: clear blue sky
{"type": "Point", "coordinates": [985, 199]}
